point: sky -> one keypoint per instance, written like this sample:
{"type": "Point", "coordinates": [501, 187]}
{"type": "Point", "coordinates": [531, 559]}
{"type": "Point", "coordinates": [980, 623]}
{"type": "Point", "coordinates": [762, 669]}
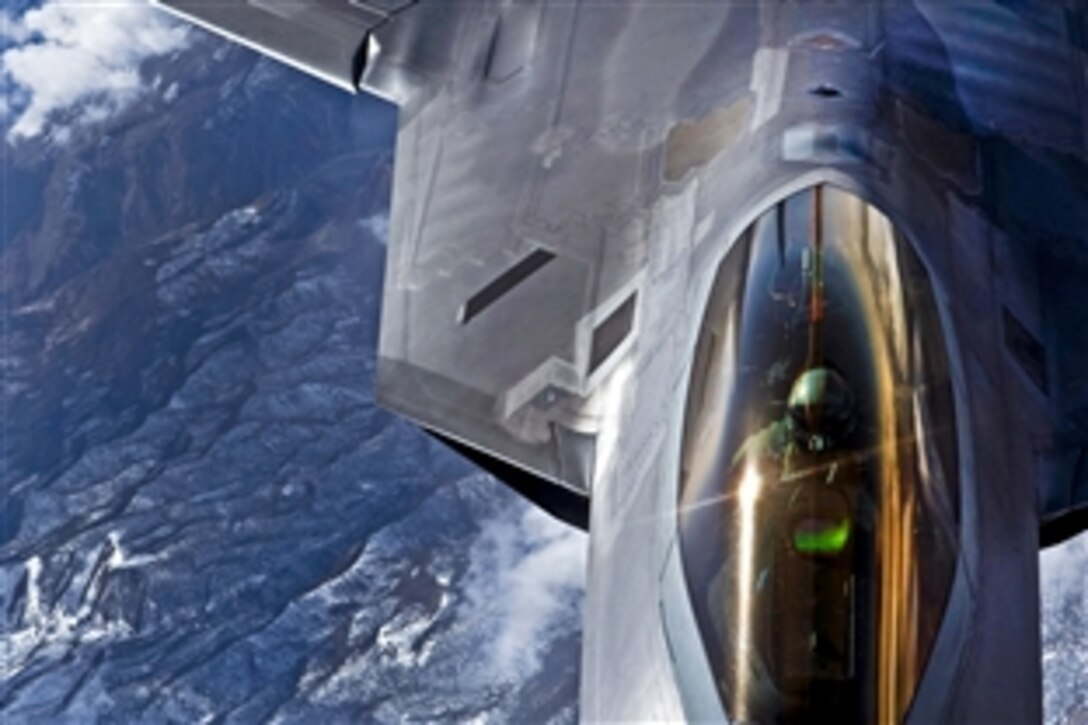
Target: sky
{"type": "Point", "coordinates": [68, 65]}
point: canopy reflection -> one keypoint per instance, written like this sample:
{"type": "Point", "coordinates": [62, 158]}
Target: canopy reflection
{"type": "Point", "coordinates": [819, 496]}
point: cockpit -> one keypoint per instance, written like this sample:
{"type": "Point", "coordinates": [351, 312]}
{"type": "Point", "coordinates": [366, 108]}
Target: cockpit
{"type": "Point", "coordinates": [819, 500]}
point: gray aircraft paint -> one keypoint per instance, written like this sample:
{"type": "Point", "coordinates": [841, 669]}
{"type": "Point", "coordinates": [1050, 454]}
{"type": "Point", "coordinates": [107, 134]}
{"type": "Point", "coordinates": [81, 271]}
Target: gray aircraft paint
{"type": "Point", "coordinates": [634, 142]}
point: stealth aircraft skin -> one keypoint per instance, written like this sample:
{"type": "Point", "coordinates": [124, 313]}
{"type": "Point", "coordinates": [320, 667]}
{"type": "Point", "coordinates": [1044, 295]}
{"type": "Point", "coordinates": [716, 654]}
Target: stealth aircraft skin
{"type": "Point", "coordinates": [783, 300]}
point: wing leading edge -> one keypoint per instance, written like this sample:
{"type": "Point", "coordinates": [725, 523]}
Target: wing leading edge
{"type": "Point", "coordinates": [403, 51]}
{"type": "Point", "coordinates": [526, 188]}
{"type": "Point", "coordinates": [325, 38]}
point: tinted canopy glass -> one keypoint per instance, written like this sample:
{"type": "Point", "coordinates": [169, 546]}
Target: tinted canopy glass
{"type": "Point", "coordinates": [818, 508]}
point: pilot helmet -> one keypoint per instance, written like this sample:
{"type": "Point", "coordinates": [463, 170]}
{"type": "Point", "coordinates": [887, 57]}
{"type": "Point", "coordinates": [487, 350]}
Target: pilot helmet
{"type": "Point", "coordinates": [821, 410]}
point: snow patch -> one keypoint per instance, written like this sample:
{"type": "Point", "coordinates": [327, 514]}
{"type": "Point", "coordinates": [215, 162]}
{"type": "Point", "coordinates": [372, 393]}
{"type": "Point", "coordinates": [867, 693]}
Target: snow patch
{"type": "Point", "coordinates": [50, 632]}
{"type": "Point", "coordinates": [403, 637]}
{"type": "Point", "coordinates": [120, 560]}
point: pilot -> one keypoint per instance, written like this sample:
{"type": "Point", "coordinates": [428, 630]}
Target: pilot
{"type": "Point", "coordinates": [820, 416]}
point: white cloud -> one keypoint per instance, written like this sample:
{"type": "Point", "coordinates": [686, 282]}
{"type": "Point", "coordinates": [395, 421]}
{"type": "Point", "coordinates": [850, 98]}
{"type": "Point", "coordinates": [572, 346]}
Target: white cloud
{"type": "Point", "coordinates": [378, 225]}
{"type": "Point", "coordinates": [524, 578]}
{"type": "Point", "coordinates": [82, 57]}
{"type": "Point", "coordinates": [11, 30]}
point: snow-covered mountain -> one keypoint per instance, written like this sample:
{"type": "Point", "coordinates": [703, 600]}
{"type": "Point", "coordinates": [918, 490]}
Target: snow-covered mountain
{"type": "Point", "coordinates": [206, 514]}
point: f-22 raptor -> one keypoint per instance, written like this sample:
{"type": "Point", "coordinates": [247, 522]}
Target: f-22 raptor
{"type": "Point", "coordinates": [785, 302]}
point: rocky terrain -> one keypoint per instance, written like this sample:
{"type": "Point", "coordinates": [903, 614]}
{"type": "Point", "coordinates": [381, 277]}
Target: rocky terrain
{"type": "Point", "coordinates": [206, 514]}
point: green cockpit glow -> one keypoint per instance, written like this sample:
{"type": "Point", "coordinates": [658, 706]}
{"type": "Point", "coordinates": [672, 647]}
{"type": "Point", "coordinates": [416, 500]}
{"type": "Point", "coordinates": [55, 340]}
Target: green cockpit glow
{"type": "Point", "coordinates": [827, 539]}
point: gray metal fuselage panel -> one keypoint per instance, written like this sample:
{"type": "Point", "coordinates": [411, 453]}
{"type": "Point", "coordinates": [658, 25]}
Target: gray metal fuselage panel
{"type": "Point", "coordinates": [569, 178]}
{"type": "Point", "coordinates": [635, 146]}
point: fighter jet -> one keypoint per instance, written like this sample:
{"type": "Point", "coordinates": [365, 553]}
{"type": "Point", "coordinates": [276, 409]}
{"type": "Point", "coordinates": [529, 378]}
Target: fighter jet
{"type": "Point", "coordinates": [784, 301]}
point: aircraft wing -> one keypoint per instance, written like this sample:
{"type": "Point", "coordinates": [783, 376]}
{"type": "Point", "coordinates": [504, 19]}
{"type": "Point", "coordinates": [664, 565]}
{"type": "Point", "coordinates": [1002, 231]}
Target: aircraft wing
{"type": "Point", "coordinates": [326, 38]}
{"type": "Point", "coordinates": [1026, 110]}
{"type": "Point", "coordinates": [527, 191]}
{"type": "Point", "coordinates": [542, 146]}
{"type": "Point", "coordinates": [527, 183]}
